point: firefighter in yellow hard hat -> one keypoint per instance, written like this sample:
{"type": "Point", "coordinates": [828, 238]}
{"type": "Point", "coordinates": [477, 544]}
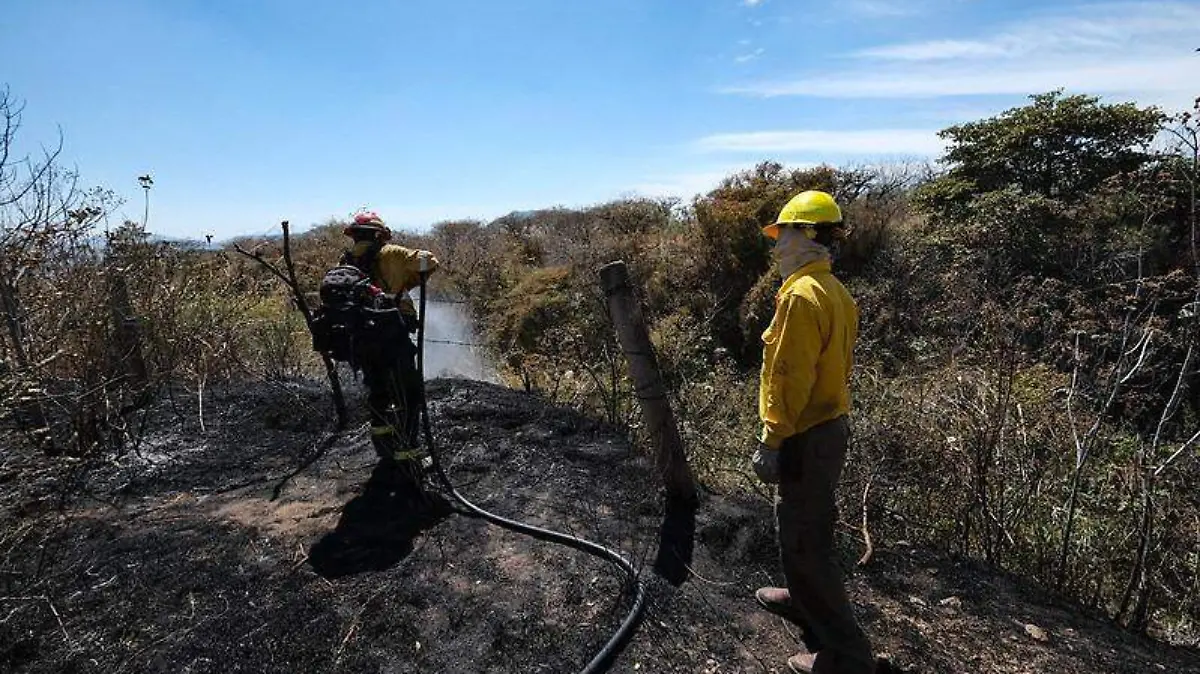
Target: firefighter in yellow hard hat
{"type": "Point", "coordinates": [394, 388]}
{"type": "Point", "coordinates": [804, 397]}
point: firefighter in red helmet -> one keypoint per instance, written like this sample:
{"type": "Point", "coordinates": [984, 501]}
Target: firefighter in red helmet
{"type": "Point", "coordinates": [395, 391]}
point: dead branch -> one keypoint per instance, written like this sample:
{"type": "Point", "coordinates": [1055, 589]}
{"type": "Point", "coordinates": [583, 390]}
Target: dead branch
{"type": "Point", "coordinates": [708, 581]}
{"type": "Point", "coordinates": [1070, 409]}
{"type": "Point", "coordinates": [337, 654]}
{"type": "Point", "coordinates": [53, 610]}
{"type": "Point", "coordinates": [866, 533]}
{"type": "Point", "coordinates": [58, 617]}
{"type": "Point", "coordinates": [1177, 453]}
{"type": "Point", "coordinates": [289, 279]}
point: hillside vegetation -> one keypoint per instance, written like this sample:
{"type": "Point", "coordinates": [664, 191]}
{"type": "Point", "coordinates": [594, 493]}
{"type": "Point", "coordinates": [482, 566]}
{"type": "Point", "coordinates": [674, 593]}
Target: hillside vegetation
{"type": "Point", "coordinates": [1028, 381]}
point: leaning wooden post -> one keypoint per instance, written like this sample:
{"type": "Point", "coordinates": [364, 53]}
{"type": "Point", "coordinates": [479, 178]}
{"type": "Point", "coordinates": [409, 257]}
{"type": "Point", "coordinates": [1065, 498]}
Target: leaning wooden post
{"type": "Point", "coordinates": [630, 324]}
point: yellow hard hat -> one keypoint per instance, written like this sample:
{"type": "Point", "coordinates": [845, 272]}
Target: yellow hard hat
{"type": "Point", "coordinates": [812, 207]}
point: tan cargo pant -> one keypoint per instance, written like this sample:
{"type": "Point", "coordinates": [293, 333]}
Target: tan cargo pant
{"type": "Point", "coordinates": [806, 513]}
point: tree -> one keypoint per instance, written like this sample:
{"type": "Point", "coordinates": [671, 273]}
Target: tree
{"type": "Point", "coordinates": [44, 217]}
{"type": "Point", "coordinates": [1051, 188]}
{"type": "Point", "coordinates": [1058, 147]}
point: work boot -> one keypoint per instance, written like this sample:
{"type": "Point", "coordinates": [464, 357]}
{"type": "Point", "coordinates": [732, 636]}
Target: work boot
{"type": "Point", "coordinates": [802, 663]}
{"type": "Point", "coordinates": [778, 600]}
{"type": "Point", "coordinates": [807, 663]}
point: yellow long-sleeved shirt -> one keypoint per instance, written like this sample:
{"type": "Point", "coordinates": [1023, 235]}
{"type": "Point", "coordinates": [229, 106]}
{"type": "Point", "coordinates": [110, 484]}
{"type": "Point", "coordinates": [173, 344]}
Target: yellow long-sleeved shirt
{"type": "Point", "coordinates": [397, 270]}
{"type": "Point", "coordinates": [808, 354]}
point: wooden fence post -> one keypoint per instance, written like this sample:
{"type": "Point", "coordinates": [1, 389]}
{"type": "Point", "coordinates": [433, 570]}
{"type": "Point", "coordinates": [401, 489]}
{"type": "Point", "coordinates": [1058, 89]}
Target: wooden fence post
{"type": "Point", "coordinates": [127, 334]}
{"type": "Point", "coordinates": [630, 324]}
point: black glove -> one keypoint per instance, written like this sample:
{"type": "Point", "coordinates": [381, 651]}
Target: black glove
{"type": "Point", "coordinates": [766, 463]}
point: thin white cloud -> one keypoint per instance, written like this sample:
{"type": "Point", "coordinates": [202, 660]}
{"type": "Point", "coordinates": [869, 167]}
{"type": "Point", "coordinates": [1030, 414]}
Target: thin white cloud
{"type": "Point", "coordinates": [688, 184]}
{"type": "Point", "coordinates": [1143, 51]}
{"type": "Point", "coordinates": [1150, 77]}
{"type": "Point", "coordinates": [868, 142]}
{"type": "Point", "coordinates": [1096, 28]}
{"type": "Point", "coordinates": [937, 50]}
{"type": "Point", "coordinates": [752, 3]}
{"type": "Point", "coordinates": [748, 57]}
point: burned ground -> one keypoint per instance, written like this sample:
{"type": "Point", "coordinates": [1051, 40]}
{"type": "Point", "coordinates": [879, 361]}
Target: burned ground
{"type": "Point", "coordinates": [264, 543]}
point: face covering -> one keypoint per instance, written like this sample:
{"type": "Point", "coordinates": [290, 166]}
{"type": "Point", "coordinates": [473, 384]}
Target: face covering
{"type": "Point", "coordinates": [793, 250]}
{"type": "Point", "coordinates": [362, 246]}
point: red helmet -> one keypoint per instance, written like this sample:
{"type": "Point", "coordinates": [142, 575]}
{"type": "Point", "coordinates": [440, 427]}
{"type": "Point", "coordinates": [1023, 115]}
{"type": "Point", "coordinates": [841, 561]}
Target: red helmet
{"type": "Point", "coordinates": [368, 221]}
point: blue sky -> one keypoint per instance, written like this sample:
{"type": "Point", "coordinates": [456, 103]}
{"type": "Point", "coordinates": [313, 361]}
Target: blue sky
{"type": "Point", "coordinates": [249, 112]}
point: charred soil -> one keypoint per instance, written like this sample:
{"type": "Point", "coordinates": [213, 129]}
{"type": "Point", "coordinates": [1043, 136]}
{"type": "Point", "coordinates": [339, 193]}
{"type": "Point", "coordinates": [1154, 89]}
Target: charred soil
{"type": "Point", "coordinates": [263, 542]}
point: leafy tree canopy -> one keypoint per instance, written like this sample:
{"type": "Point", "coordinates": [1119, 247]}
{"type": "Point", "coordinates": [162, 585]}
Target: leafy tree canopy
{"type": "Point", "coordinates": [1058, 147]}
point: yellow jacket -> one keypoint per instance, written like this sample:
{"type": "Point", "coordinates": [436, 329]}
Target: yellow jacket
{"type": "Point", "coordinates": [808, 353]}
{"type": "Point", "coordinates": [396, 270]}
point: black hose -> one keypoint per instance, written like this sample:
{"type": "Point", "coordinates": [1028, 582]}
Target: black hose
{"type": "Point", "coordinates": [603, 659]}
